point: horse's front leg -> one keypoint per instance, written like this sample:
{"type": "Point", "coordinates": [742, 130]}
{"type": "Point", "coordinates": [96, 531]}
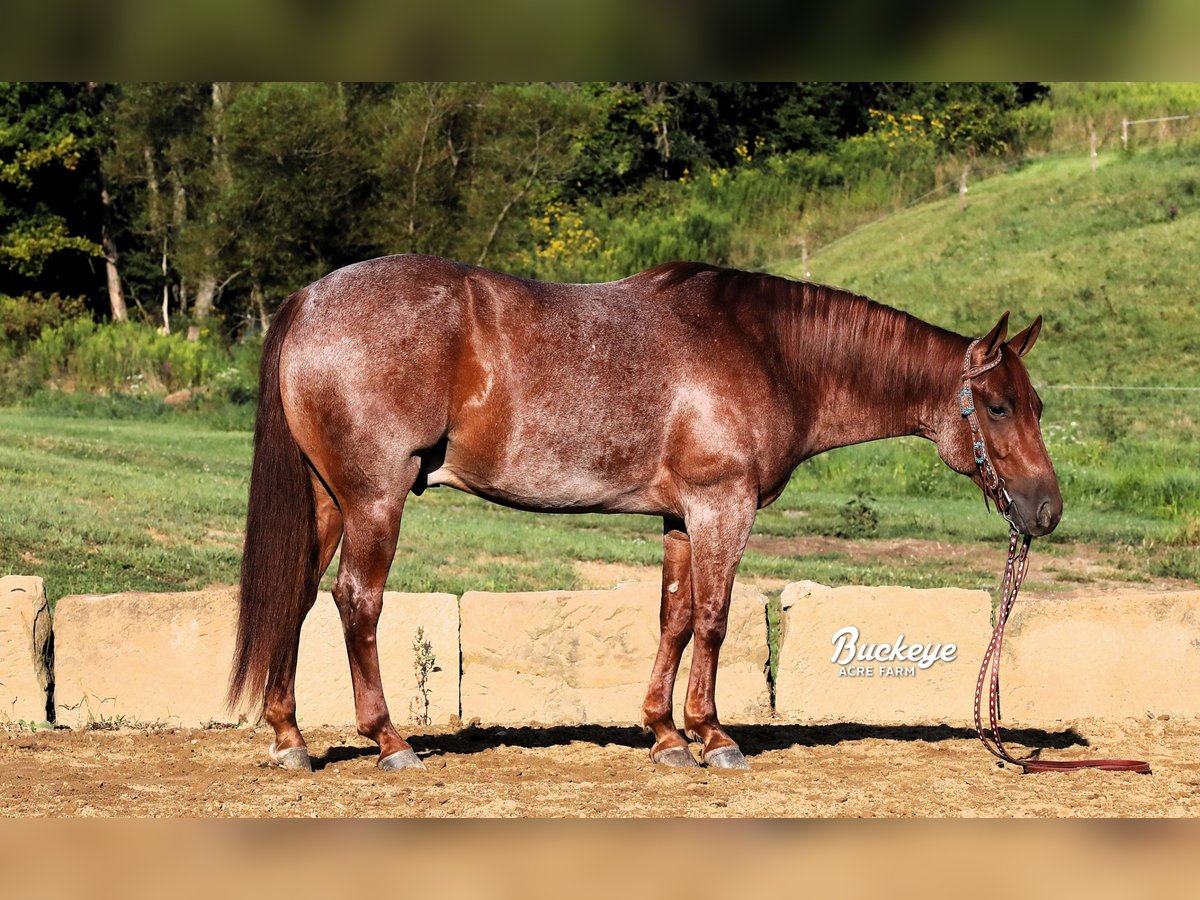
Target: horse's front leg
{"type": "Point", "coordinates": [675, 622]}
{"type": "Point", "coordinates": [719, 529]}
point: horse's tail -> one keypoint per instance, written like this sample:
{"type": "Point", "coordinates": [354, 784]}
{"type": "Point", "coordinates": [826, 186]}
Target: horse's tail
{"type": "Point", "coordinates": [279, 562]}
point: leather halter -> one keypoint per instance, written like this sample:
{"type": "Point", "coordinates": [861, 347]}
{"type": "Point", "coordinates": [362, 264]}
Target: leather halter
{"type": "Point", "coordinates": [1014, 574]}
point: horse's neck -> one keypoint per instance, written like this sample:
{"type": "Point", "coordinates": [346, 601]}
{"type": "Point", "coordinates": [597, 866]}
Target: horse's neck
{"type": "Point", "coordinates": [873, 372]}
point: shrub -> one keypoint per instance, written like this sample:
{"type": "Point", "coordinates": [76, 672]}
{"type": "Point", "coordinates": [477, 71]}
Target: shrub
{"type": "Point", "coordinates": [24, 318]}
{"type": "Point", "coordinates": [859, 518]}
{"type": "Point", "coordinates": [123, 356]}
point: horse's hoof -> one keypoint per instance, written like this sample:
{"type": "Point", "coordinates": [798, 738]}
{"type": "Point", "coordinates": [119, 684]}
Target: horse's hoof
{"type": "Point", "coordinates": [292, 758]}
{"type": "Point", "coordinates": [676, 758]}
{"type": "Point", "coordinates": [401, 759]}
{"type": "Point", "coordinates": [726, 758]}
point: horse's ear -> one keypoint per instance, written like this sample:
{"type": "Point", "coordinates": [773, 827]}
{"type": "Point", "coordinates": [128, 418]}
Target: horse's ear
{"type": "Point", "coordinates": [1023, 342]}
{"type": "Point", "coordinates": [994, 338]}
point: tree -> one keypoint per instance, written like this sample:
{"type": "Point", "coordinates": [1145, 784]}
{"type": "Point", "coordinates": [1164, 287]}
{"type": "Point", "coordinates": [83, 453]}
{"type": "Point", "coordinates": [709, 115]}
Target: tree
{"type": "Point", "coordinates": [155, 156]}
{"type": "Point", "coordinates": [298, 179]}
{"type": "Point", "coordinates": [46, 165]}
{"type": "Point", "coordinates": [419, 135]}
{"type": "Point", "coordinates": [525, 149]}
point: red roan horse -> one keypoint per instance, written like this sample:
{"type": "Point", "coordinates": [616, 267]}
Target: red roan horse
{"type": "Point", "coordinates": [688, 392]}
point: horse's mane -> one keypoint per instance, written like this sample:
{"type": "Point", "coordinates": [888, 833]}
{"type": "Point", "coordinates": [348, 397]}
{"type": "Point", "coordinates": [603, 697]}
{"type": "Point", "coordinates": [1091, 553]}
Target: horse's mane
{"type": "Point", "coordinates": [820, 329]}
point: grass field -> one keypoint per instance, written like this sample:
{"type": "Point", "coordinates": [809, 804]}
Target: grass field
{"type": "Point", "coordinates": [103, 506]}
{"type": "Point", "coordinates": [100, 506]}
{"type": "Point", "coordinates": [108, 494]}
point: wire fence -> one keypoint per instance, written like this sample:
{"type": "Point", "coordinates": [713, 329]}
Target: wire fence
{"type": "Point", "coordinates": [982, 172]}
{"type": "Point", "coordinates": [1125, 123]}
{"type": "Point", "coordinates": [1115, 387]}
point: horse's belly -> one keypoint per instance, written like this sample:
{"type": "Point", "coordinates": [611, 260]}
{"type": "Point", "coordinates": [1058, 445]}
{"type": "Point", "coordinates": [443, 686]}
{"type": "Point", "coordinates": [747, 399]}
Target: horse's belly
{"type": "Point", "coordinates": [539, 478]}
{"type": "Point", "coordinates": [545, 436]}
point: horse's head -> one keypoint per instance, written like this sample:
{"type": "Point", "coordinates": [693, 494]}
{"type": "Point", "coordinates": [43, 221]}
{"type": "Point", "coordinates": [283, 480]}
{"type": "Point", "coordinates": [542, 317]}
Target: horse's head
{"type": "Point", "coordinates": [1008, 411]}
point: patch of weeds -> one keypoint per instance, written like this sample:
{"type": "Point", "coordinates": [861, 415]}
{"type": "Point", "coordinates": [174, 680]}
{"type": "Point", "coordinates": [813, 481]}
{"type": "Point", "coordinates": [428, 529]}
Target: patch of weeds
{"type": "Point", "coordinates": [858, 517]}
{"type": "Point", "coordinates": [107, 723]}
{"type": "Point", "coordinates": [1126, 576]}
{"type": "Point", "coordinates": [1187, 531]}
{"type": "Point", "coordinates": [122, 722]}
{"type": "Point", "coordinates": [774, 638]}
{"type": "Point", "coordinates": [95, 722]}
{"type": "Point", "coordinates": [1182, 564]}
{"type": "Point", "coordinates": [28, 725]}
{"type": "Point", "coordinates": [424, 665]}
{"type": "Point", "coordinates": [1067, 575]}
{"type": "Point", "coordinates": [1111, 425]}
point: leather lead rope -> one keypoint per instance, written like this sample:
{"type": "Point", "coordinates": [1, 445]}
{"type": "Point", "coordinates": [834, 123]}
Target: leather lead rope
{"type": "Point", "coordinates": [1014, 574]}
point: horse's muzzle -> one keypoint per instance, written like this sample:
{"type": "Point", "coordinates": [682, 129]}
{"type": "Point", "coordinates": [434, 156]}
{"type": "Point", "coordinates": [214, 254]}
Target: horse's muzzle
{"type": "Point", "coordinates": [1037, 516]}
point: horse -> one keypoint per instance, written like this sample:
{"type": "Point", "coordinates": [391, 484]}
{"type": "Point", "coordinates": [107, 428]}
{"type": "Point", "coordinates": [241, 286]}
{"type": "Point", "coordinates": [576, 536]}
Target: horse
{"type": "Point", "coordinates": [688, 392]}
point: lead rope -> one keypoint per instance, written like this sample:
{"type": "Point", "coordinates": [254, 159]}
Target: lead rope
{"type": "Point", "coordinates": [1014, 574]}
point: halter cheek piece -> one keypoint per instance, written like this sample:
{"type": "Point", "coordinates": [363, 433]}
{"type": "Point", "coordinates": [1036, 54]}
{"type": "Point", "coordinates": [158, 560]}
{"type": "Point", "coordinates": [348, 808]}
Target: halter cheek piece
{"type": "Point", "coordinates": [1014, 574]}
{"type": "Point", "coordinates": [994, 489]}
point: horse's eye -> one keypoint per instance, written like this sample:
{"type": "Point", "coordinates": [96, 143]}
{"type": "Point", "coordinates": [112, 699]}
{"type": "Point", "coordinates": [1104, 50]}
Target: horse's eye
{"type": "Point", "coordinates": [998, 412]}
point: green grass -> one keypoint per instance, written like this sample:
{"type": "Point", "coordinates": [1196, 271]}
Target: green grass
{"type": "Point", "coordinates": [97, 506]}
{"type": "Point", "coordinates": [1076, 107]}
{"type": "Point", "coordinates": [107, 505]}
{"type": "Point", "coordinates": [157, 504]}
{"type": "Point", "coordinates": [1099, 254]}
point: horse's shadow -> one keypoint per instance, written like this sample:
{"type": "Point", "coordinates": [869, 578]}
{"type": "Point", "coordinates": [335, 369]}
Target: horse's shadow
{"type": "Point", "coordinates": [753, 739]}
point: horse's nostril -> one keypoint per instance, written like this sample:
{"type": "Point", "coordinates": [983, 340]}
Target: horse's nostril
{"type": "Point", "coordinates": [1044, 515]}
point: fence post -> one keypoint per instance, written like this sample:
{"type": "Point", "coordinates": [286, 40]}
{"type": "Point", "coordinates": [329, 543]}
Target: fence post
{"type": "Point", "coordinates": [1124, 134]}
{"type": "Point", "coordinates": [962, 188]}
{"type": "Point", "coordinates": [1094, 158]}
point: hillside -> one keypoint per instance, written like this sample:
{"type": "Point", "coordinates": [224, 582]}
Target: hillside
{"type": "Point", "coordinates": [1108, 257]}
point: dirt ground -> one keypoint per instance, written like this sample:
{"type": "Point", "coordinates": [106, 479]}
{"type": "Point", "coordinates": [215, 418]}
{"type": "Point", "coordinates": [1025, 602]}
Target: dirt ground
{"type": "Point", "coordinates": [825, 770]}
{"type": "Point", "coordinates": [1074, 568]}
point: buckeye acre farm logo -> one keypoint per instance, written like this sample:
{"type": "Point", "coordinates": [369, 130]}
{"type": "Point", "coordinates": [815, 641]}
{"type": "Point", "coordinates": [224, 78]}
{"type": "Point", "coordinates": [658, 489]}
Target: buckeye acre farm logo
{"type": "Point", "coordinates": [857, 659]}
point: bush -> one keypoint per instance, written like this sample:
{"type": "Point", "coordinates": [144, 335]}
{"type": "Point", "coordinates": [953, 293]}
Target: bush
{"type": "Point", "coordinates": [859, 518]}
{"type": "Point", "coordinates": [80, 368]}
{"type": "Point", "coordinates": [123, 356]}
{"type": "Point", "coordinates": [24, 318]}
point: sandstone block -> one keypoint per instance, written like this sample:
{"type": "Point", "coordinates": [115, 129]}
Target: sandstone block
{"type": "Point", "coordinates": [586, 656]}
{"type": "Point", "coordinates": [1109, 655]}
{"type": "Point", "coordinates": [25, 649]}
{"type": "Point", "coordinates": [324, 693]}
{"type": "Point", "coordinates": [826, 632]}
{"type": "Point", "coordinates": [165, 658]}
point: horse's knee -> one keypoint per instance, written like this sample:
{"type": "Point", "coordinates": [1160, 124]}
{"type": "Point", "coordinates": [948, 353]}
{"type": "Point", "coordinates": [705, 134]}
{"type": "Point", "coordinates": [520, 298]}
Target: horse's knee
{"type": "Point", "coordinates": [710, 629]}
{"type": "Point", "coordinates": [358, 606]}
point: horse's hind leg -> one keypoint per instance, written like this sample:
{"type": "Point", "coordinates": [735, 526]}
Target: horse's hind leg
{"type": "Point", "coordinates": [372, 526]}
{"type": "Point", "coordinates": [675, 622]}
{"type": "Point", "coordinates": [289, 749]}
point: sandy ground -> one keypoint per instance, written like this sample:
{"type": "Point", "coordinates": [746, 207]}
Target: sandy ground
{"type": "Point", "coordinates": [839, 770]}
{"type": "Point", "coordinates": [1074, 569]}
